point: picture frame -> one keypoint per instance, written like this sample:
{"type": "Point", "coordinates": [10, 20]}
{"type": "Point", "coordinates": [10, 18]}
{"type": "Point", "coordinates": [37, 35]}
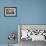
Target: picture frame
{"type": "Point", "coordinates": [33, 29]}
{"type": "Point", "coordinates": [10, 11]}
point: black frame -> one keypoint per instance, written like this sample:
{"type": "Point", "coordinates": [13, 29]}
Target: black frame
{"type": "Point", "coordinates": [10, 16]}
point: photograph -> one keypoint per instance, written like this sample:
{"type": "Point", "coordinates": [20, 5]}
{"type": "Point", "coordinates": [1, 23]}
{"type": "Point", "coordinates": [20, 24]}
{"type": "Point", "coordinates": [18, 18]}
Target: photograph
{"type": "Point", "coordinates": [10, 11]}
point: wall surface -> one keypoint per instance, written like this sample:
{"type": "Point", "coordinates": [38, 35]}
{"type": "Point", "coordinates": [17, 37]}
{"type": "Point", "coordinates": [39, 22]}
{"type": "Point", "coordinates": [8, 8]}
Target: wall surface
{"type": "Point", "coordinates": [28, 12]}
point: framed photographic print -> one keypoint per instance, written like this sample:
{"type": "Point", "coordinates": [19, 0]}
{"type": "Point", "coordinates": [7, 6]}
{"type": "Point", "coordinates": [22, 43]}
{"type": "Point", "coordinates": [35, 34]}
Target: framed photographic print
{"type": "Point", "coordinates": [10, 11]}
